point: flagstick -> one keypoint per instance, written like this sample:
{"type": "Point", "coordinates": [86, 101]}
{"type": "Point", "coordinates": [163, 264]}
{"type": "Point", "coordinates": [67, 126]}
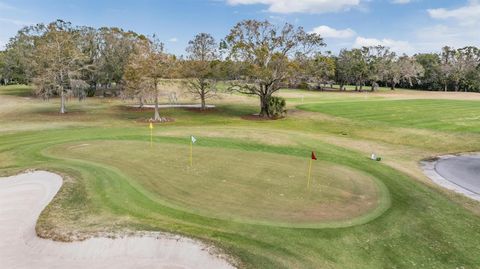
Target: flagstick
{"type": "Point", "coordinates": [191, 153]}
{"type": "Point", "coordinates": [151, 137]}
{"type": "Point", "coordinates": [309, 174]}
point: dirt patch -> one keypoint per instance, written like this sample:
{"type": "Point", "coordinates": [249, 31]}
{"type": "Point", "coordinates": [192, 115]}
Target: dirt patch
{"type": "Point", "coordinates": [256, 117]}
{"type": "Point", "coordinates": [66, 114]}
{"type": "Point", "coordinates": [150, 120]}
{"type": "Point", "coordinates": [213, 110]}
{"type": "Point", "coordinates": [135, 109]}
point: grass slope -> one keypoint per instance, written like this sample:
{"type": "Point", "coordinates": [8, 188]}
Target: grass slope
{"type": "Point", "coordinates": [416, 226]}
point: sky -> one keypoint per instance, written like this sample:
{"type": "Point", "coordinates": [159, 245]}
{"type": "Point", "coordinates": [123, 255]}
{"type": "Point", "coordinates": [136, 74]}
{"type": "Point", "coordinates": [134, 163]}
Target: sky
{"type": "Point", "coordinates": [406, 26]}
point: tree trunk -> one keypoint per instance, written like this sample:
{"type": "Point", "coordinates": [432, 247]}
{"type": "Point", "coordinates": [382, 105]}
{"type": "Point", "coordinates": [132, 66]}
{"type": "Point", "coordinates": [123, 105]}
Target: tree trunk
{"type": "Point", "coordinates": [264, 106]}
{"type": "Point", "coordinates": [62, 105]}
{"type": "Point", "coordinates": [202, 93]}
{"type": "Point", "coordinates": [140, 101]}
{"type": "Point", "coordinates": [156, 117]}
{"type": "Point", "coordinates": [202, 97]}
{"type": "Point", "coordinates": [392, 85]}
{"type": "Point", "coordinates": [446, 87]}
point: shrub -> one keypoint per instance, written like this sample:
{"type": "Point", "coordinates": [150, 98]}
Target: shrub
{"type": "Point", "coordinates": [277, 107]}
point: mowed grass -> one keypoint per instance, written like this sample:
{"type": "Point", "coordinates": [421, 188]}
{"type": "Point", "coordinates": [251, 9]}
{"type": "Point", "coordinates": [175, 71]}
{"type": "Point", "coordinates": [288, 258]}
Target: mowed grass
{"type": "Point", "coordinates": [444, 115]}
{"type": "Point", "coordinates": [246, 186]}
{"type": "Point", "coordinates": [115, 182]}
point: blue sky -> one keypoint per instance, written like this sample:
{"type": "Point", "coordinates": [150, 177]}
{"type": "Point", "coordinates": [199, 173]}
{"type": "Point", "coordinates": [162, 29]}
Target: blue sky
{"type": "Point", "coordinates": [407, 26]}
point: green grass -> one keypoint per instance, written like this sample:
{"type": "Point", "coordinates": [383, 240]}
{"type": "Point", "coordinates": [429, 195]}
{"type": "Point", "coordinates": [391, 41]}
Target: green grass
{"type": "Point", "coordinates": [117, 181]}
{"type": "Point", "coordinates": [239, 185]}
{"type": "Point", "coordinates": [445, 115]}
{"type": "Point", "coordinates": [16, 90]}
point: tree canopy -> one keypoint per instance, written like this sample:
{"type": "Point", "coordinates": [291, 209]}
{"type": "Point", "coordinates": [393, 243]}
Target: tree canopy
{"type": "Point", "coordinates": [256, 58]}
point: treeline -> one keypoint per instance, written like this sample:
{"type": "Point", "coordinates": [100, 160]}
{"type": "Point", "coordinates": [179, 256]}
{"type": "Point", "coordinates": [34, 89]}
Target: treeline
{"type": "Point", "coordinates": [256, 58]}
{"type": "Point", "coordinates": [450, 70]}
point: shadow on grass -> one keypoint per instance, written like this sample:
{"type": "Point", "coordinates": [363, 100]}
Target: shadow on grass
{"type": "Point", "coordinates": [220, 113]}
{"type": "Point", "coordinates": [16, 90]}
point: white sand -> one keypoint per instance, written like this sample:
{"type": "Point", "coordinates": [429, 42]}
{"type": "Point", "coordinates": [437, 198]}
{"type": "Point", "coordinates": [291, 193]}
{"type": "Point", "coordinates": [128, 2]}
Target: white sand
{"type": "Point", "coordinates": [23, 197]}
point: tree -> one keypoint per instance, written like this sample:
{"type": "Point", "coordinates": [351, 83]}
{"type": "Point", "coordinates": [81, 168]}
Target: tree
{"type": "Point", "coordinates": [114, 47]}
{"type": "Point", "coordinates": [465, 61]}
{"type": "Point", "coordinates": [2, 68]}
{"type": "Point", "coordinates": [446, 67]}
{"type": "Point", "coordinates": [353, 67]}
{"type": "Point", "coordinates": [431, 79]}
{"type": "Point", "coordinates": [149, 67]}
{"type": "Point", "coordinates": [404, 69]}
{"type": "Point", "coordinates": [18, 56]}
{"type": "Point", "coordinates": [201, 67]}
{"type": "Point", "coordinates": [58, 60]}
{"type": "Point", "coordinates": [381, 65]}
{"type": "Point", "coordinates": [133, 79]}
{"type": "Point", "coordinates": [409, 70]}
{"type": "Point", "coordinates": [322, 68]}
{"type": "Point", "coordinates": [264, 49]}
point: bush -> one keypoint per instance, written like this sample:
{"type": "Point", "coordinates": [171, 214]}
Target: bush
{"type": "Point", "coordinates": [277, 107]}
{"type": "Point", "coordinates": [303, 86]}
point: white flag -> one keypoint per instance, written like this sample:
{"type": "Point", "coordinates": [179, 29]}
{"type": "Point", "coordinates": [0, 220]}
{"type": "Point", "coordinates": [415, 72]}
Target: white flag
{"type": "Point", "coordinates": [193, 139]}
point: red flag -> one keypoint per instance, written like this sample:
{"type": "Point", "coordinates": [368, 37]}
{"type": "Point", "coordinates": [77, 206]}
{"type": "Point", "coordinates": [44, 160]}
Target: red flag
{"type": "Point", "coordinates": [314, 157]}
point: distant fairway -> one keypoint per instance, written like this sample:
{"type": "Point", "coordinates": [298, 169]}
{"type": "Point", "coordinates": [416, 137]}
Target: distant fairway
{"type": "Point", "coordinates": [445, 115]}
{"type": "Point", "coordinates": [246, 193]}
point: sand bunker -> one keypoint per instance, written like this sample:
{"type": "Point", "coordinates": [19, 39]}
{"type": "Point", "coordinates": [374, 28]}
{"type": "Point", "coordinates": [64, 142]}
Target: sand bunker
{"type": "Point", "coordinates": [23, 197]}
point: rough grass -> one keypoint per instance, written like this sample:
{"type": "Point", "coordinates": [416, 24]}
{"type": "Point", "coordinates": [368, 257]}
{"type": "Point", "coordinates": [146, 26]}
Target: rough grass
{"type": "Point", "coordinates": [420, 225]}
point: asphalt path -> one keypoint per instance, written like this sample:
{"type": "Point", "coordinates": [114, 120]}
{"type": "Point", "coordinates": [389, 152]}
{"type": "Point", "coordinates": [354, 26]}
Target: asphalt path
{"type": "Point", "coordinates": [463, 171]}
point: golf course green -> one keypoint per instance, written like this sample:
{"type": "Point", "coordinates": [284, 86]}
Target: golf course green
{"type": "Point", "coordinates": [247, 191]}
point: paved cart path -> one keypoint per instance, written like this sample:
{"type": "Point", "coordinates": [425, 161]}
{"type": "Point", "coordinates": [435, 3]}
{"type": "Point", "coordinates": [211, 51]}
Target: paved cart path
{"type": "Point", "coordinates": [457, 173]}
{"type": "Point", "coordinates": [461, 170]}
{"type": "Point", "coordinates": [23, 197]}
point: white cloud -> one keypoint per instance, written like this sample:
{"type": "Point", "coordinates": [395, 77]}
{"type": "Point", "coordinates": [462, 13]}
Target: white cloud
{"type": "Point", "coordinates": [459, 27]}
{"type": "Point", "coordinates": [173, 40]}
{"type": "Point", "coordinates": [432, 38]}
{"type": "Point", "coordinates": [326, 32]}
{"type": "Point", "coordinates": [15, 22]}
{"type": "Point", "coordinates": [401, 2]}
{"type": "Point", "coordinates": [469, 14]}
{"type": "Point", "coordinates": [301, 6]}
{"type": "Point", "coordinates": [398, 46]}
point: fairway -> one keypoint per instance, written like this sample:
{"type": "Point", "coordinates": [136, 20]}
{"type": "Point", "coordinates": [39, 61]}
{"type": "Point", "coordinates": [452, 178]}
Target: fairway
{"type": "Point", "coordinates": [444, 115]}
{"type": "Point", "coordinates": [246, 193]}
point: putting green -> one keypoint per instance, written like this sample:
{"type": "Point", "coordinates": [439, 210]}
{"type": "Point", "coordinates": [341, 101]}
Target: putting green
{"type": "Point", "coordinates": [245, 186]}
